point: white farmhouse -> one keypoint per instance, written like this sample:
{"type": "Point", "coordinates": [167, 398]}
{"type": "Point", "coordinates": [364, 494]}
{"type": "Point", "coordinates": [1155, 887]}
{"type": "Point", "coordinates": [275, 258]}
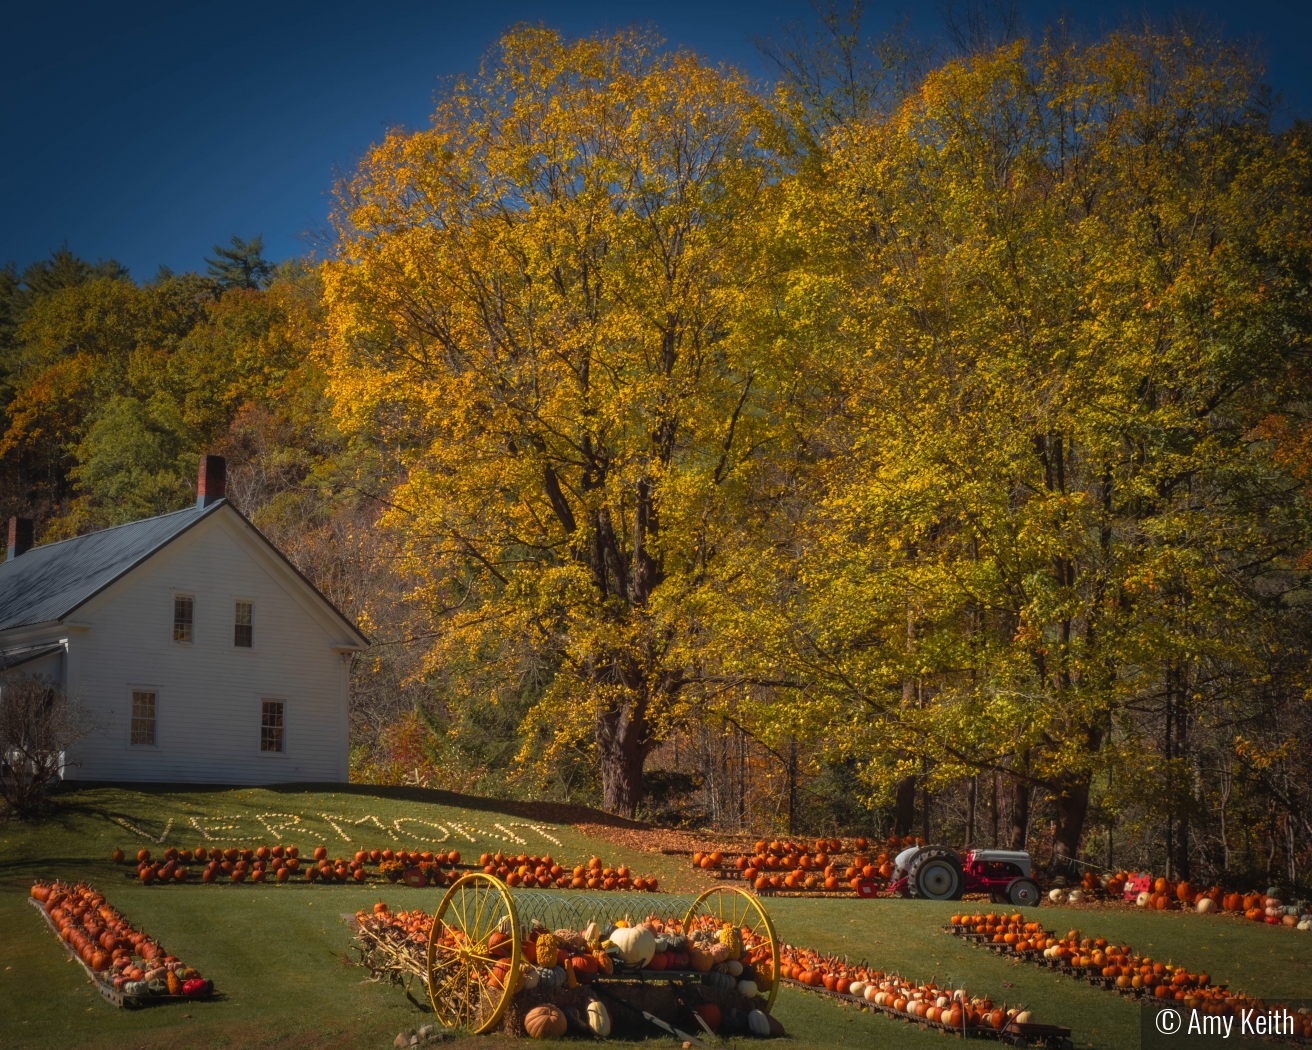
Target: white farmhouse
{"type": "Point", "coordinates": [197, 651]}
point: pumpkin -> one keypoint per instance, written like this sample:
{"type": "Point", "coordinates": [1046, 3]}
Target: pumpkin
{"type": "Point", "coordinates": [545, 1022]}
{"type": "Point", "coordinates": [552, 977]}
{"type": "Point", "coordinates": [748, 989]}
{"type": "Point", "coordinates": [709, 1013]}
{"type": "Point", "coordinates": [1206, 905]}
{"type": "Point", "coordinates": [598, 1019]}
{"type": "Point", "coordinates": [530, 978]}
{"type": "Point", "coordinates": [546, 949]}
{"type": "Point", "coordinates": [635, 943]}
{"type": "Point", "coordinates": [722, 981]}
{"type": "Point", "coordinates": [1023, 1017]}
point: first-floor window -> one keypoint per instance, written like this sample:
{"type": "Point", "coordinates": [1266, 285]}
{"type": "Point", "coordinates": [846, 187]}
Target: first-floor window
{"type": "Point", "coordinates": [271, 726]}
{"type": "Point", "coordinates": [143, 717]}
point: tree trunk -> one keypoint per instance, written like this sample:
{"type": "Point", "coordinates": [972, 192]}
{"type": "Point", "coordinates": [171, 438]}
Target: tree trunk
{"type": "Point", "coordinates": [972, 791]}
{"type": "Point", "coordinates": [904, 810]}
{"type": "Point", "coordinates": [622, 748]}
{"type": "Point", "coordinates": [1072, 809]}
{"type": "Point", "coordinates": [1020, 814]}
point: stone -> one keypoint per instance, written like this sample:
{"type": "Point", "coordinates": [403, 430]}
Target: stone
{"type": "Point", "coordinates": [403, 1039]}
{"type": "Point", "coordinates": [426, 1032]}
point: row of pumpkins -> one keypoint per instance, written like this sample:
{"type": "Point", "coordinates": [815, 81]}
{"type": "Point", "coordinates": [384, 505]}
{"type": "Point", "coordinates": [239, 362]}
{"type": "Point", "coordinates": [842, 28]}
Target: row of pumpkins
{"type": "Point", "coordinates": [786, 855]}
{"type": "Point", "coordinates": [812, 871]}
{"type": "Point", "coordinates": [118, 953]}
{"type": "Point", "coordinates": [1171, 896]}
{"type": "Point", "coordinates": [547, 873]}
{"type": "Point", "coordinates": [1118, 963]}
{"type": "Point", "coordinates": [953, 1007]}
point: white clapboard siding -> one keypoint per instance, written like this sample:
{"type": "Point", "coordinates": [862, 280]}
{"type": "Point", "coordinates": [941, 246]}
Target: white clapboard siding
{"type": "Point", "coordinates": [209, 693]}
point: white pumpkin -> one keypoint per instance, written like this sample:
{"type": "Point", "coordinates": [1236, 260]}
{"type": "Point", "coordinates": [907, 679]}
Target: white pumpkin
{"type": "Point", "coordinates": [1142, 899]}
{"type": "Point", "coordinates": [1075, 897]}
{"type": "Point", "coordinates": [747, 989]}
{"type": "Point", "coordinates": [1206, 905]}
{"type": "Point", "coordinates": [733, 968]}
{"type": "Point", "coordinates": [598, 1019]}
{"type": "Point", "coordinates": [858, 988]}
{"type": "Point", "coordinates": [1023, 1017]}
{"type": "Point", "coordinates": [870, 993]}
{"type": "Point", "coordinates": [758, 1024]}
{"type": "Point", "coordinates": [529, 979]}
{"type": "Point", "coordinates": [1057, 895]}
{"type": "Point", "coordinates": [636, 944]}
{"type": "Point", "coordinates": [591, 933]}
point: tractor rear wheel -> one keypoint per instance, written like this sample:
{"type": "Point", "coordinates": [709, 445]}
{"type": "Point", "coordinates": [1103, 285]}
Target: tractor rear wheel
{"type": "Point", "coordinates": [935, 875]}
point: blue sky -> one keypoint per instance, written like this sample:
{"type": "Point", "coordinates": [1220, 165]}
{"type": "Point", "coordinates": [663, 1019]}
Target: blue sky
{"type": "Point", "coordinates": [148, 132]}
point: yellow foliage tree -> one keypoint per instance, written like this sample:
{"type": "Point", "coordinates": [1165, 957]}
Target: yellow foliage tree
{"type": "Point", "coordinates": [552, 312]}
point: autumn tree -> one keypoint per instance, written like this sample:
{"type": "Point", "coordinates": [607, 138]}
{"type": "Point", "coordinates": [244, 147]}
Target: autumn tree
{"type": "Point", "coordinates": [553, 307]}
{"type": "Point", "coordinates": [1052, 540]}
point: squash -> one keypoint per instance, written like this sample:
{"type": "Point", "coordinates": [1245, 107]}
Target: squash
{"type": "Point", "coordinates": [732, 939]}
{"type": "Point", "coordinates": [758, 1024]}
{"type": "Point", "coordinates": [598, 1019]}
{"type": "Point", "coordinates": [175, 985]}
{"type": "Point", "coordinates": [718, 980]}
{"type": "Point", "coordinates": [635, 943]}
{"type": "Point", "coordinates": [733, 968]}
{"type": "Point", "coordinates": [551, 978]}
{"type": "Point", "coordinates": [748, 989]}
{"type": "Point", "coordinates": [545, 953]}
{"type": "Point", "coordinates": [1206, 905]}
{"type": "Point", "coordinates": [530, 978]}
{"type": "Point", "coordinates": [545, 1022]}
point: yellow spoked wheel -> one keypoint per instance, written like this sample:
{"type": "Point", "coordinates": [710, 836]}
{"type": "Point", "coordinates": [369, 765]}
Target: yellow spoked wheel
{"type": "Point", "coordinates": [473, 953]}
{"type": "Point", "coordinates": [741, 910]}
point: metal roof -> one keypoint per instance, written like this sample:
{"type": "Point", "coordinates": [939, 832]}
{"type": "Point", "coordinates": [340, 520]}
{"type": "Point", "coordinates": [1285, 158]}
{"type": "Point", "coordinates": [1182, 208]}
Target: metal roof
{"type": "Point", "coordinates": [51, 582]}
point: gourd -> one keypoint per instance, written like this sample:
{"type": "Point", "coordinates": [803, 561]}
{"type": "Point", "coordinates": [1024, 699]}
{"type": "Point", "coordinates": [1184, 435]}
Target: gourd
{"type": "Point", "coordinates": [731, 939]}
{"type": "Point", "coordinates": [175, 985]}
{"type": "Point", "coordinates": [552, 977]}
{"type": "Point", "coordinates": [758, 1024]}
{"type": "Point", "coordinates": [635, 943]}
{"type": "Point", "coordinates": [1057, 895]}
{"type": "Point", "coordinates": [722, 981]}
{"type": "Point", "coordinates": [748, 989]}
{"type": "Point", "coordinates": [734, 968]}
{"type": "Point", "coordinates": [546, 949]}
{"type": "Point", "coordinates": [592, 934]}
{"type": "Point", "coordinates": [1076, 896]}
{"type": "Point", "coordinates": [545, 1022]}
{"type": "Point", "coordinates": [598, 1019]}
{"type": "Point", "coordinates": [531, 978]}
{"type": "Point", "coordinates": [136, 988]}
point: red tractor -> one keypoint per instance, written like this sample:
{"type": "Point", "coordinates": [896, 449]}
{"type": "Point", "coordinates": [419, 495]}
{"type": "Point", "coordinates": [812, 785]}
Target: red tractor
{"type": "Point", "coordinates": [938, 873]}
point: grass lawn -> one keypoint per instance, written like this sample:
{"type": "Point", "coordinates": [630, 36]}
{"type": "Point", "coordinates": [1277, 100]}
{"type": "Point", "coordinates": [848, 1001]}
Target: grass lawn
{"type": "Point", "coordinates": [275, 951]}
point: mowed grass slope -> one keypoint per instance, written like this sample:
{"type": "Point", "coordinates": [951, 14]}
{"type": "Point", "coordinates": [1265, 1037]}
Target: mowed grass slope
{"type": "Point", "coordinates": [276, 952]}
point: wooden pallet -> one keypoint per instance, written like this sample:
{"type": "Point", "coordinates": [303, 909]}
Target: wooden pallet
{"type": "Point", "coordinates": [105, 988]}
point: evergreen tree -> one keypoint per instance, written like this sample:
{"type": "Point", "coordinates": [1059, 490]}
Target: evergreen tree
{"type": "Point", "coordinates": [241, 266]}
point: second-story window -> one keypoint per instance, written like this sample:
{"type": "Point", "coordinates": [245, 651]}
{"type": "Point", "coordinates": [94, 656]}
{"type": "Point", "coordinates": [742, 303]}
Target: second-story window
{"type": "Point", "coordinates": [182, 619]}
{"type": "Point", "coordinates": [243, 626]}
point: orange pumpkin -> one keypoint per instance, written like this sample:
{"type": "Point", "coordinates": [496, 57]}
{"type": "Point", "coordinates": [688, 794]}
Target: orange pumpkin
{"type": "Point", "coordinates": [545, 1022]}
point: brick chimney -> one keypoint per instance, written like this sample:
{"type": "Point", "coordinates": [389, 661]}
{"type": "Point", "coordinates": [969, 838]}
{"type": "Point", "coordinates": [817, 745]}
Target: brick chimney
{"type": "Point", "coordinates": [211, 485]}
{"type": "Point", "coordinates": [20, 536]}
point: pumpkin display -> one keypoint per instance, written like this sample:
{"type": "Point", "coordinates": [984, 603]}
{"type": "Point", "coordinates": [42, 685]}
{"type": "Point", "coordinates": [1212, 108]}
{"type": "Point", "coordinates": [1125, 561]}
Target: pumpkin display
{"type": "Point", "coordinates": [545, 1022]}
{"type": "Point", "coordinates": [113, 952]}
